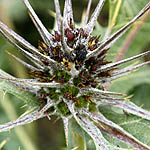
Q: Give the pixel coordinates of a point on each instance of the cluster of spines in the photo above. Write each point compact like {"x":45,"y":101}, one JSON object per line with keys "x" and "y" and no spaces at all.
{"x":85,"y":78}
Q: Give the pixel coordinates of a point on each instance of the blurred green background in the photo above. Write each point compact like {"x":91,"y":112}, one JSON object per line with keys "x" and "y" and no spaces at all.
{"x":49,"y":135}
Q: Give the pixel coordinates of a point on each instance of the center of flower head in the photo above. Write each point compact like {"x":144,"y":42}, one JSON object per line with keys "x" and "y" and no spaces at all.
{"x":76,"y":72}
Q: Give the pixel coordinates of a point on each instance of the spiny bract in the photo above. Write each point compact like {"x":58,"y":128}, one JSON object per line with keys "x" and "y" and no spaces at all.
{"x":70,"y":72}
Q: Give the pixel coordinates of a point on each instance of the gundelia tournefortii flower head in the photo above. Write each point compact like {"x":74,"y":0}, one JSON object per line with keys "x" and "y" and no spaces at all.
{"x":69,"y":73}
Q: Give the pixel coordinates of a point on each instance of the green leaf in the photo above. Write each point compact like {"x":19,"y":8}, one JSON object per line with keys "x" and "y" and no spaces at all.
{"x":76,"y":136}
{"x":127,"y":12}
{"x":27,"y":97}
{"x":141,"y":95}
{"x":136,"y":126}
{"x":125,"y":83}
{"x":130,"y":8}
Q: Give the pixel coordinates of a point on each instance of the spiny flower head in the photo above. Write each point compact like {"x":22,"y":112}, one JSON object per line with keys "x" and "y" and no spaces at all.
{"x":69,"y":73}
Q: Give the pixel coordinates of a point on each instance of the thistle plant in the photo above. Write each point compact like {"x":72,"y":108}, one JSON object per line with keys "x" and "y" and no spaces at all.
{"x":69,"y":72}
